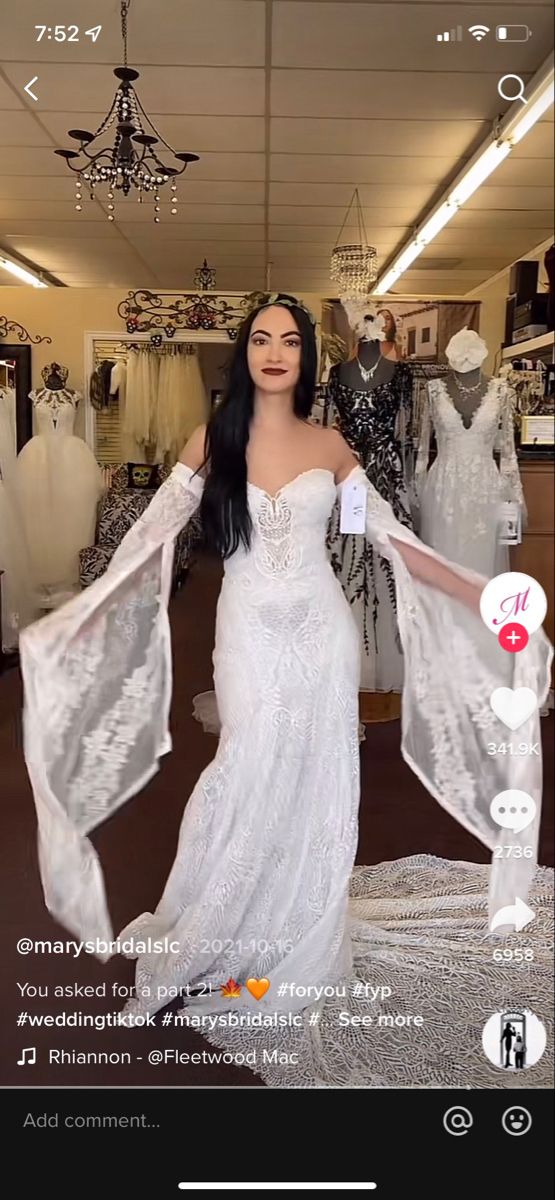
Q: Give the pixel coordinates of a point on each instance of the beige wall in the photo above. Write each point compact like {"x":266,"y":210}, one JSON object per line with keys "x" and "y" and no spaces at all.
{"x":66,"y":315}
{"x":492,"y":296}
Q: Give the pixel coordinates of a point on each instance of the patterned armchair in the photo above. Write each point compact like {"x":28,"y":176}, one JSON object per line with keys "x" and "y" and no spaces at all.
{"x":118,"y":510}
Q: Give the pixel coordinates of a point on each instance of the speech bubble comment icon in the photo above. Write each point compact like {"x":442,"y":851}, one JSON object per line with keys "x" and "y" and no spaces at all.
{"x":513,"y":809}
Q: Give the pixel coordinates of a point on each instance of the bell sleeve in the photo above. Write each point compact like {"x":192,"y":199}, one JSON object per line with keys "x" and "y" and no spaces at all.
{"x":97,"y":677}
{"x":452,"y":666}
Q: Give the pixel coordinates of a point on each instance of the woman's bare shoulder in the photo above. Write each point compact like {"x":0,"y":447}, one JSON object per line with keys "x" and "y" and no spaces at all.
{"x":335,"y":450}
{"x":193,"y":453}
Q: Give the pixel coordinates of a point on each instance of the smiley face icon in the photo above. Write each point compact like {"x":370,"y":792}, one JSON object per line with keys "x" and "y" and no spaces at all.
{"x":516,"y":1120}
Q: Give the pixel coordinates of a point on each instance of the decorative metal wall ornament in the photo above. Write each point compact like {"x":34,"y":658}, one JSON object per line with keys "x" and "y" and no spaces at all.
{"x":132,"y":161}
{"x":7,"y":326}
{"x":204,"y":278}
{"x":354,"y":266}
{"x":168,"y":312}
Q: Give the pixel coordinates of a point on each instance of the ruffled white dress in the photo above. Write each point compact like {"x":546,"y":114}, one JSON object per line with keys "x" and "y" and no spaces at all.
{"x":263,"y":882}
{"x":58,"y":484}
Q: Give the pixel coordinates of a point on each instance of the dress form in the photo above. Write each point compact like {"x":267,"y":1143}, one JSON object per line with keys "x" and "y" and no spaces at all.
{"x":370,"y":395}
{"x":475,"y":470}
{"x":467,"y":390}
{"x":58,"y":484}
{"x":368,"y":356}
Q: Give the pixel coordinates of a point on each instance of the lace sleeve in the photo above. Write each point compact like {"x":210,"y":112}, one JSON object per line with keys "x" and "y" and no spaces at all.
{"x":508,"y":463}
{"x":97,"y":677}
{"x":453,"y":664}
{"x":169,"y":511}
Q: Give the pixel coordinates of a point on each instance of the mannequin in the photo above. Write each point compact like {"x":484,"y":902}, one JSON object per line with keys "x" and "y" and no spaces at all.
{"x":459,"y":499}
{"x":370,"y":395}
{"x":58,"y":484}
{"x":15,"y":585}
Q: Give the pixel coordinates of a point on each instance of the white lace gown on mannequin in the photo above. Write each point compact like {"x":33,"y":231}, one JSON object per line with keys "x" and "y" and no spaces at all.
{"x":15,"y":582}
{"x":460,"y":495}
{"x":261,"y":881}
{"x":58,"y":484}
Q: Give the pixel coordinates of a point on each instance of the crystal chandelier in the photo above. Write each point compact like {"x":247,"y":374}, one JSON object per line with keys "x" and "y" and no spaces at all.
{"x":354,"y":266}
{"x":204,"y":278}
{"x":132,"y":161}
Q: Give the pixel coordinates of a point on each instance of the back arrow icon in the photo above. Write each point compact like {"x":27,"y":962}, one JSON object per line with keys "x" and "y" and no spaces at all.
{"x":28,"y":87}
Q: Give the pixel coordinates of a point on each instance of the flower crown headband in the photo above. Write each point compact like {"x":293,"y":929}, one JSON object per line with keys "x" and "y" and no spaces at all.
{"x":267,"y":299}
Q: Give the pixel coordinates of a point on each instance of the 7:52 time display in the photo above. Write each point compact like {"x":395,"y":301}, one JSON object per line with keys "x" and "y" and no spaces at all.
{"x":65,"y":33}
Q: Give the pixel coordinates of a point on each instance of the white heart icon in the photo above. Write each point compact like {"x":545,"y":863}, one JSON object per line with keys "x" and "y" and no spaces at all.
{"x":514,"y":706}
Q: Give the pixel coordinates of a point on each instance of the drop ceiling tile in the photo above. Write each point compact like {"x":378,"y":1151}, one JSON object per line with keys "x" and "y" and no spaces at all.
{"x":329,"y":195}
{"x":20,"y":129}
{"x":314,"y":232}
{"x":140,"y":233}
{"x":353,"y":170}
{"x":296,"y":215}
{"x":527,"y":199}
{"x":422,"y":138}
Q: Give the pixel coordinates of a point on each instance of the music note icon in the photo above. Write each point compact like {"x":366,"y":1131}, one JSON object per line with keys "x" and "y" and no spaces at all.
{"x":23,"y":1061}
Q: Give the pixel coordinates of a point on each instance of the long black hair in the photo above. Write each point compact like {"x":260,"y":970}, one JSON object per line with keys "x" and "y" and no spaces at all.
{"x":224,"y":510}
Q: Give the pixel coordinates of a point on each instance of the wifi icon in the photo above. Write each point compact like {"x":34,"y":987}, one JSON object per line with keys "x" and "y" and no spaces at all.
{"x":478,"y":31}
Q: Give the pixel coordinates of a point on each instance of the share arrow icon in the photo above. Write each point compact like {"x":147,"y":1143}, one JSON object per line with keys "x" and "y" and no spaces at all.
{"x":517,"y":914}
{"x":28,"y":87}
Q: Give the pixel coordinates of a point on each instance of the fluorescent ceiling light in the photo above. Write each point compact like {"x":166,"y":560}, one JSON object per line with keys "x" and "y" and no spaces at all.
{"x":21,"y":273}
{"x":485,"y":161}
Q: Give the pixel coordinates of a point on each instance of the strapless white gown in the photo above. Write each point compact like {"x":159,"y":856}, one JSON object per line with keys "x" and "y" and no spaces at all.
{"x":263,"y":884}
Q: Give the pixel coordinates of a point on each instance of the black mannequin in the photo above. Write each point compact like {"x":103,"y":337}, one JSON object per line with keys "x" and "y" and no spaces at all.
{"x":467,"y":390}
{"x":371,"y":359}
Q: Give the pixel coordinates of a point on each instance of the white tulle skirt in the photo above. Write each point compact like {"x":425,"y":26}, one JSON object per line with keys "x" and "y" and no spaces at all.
{"x":58,"y":484}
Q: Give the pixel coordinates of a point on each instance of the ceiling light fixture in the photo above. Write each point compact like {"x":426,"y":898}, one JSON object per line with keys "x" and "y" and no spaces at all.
{"x":133,"y":160}
{"x":354,"y":266}
{"x":22,"y":273}
{"x":511,"y":131}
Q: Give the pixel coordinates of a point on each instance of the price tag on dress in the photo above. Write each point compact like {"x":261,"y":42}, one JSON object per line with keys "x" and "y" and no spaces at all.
{"x":353,"y":508}
{"x":510,"y":524}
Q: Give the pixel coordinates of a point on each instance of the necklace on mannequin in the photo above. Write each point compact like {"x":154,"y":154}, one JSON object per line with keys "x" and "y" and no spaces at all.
{"x":467,"y":391}
{"x":368,"y":372}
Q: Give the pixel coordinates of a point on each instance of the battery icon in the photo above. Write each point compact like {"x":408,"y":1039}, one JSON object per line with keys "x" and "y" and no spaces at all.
{"x":513,"y":33}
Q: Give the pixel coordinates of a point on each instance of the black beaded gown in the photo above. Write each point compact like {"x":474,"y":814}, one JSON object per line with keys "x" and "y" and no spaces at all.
{"x":369,"y":421}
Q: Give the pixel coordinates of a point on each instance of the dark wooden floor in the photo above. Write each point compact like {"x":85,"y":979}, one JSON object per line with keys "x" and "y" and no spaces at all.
{"x":137,"y":848}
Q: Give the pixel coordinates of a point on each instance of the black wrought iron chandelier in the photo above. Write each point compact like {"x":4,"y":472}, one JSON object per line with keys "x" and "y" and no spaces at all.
{"x":133,"y":160}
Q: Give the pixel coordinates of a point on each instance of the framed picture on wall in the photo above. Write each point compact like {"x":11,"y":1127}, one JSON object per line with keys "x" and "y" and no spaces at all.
{"x":216,"y":395}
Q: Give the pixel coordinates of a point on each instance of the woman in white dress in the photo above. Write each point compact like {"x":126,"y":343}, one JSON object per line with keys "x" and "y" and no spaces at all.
{"x":259,"y":891}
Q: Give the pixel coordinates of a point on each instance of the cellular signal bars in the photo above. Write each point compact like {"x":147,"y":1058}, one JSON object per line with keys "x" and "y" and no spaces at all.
{"x":453,"y":35}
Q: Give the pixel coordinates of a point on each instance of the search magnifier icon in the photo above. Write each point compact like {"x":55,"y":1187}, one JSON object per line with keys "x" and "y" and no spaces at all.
{"x":506,"y":88}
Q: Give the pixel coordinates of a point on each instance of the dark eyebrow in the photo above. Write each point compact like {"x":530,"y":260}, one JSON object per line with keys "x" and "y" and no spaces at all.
{"x":292,"y":333}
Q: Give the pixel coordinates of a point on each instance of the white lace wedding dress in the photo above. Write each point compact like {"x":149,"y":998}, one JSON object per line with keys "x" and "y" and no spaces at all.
{"x":260,"y":885}
{"x":460,"y":496}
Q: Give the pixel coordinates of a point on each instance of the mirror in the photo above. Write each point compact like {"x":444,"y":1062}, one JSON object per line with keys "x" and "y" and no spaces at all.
{"x":15,"y":377}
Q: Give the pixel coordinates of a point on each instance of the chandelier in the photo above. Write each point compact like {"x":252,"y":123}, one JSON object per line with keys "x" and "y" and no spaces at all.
{"x":354,"y":266}
{"x":133,"y":160}
{"x":204,"y":278}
